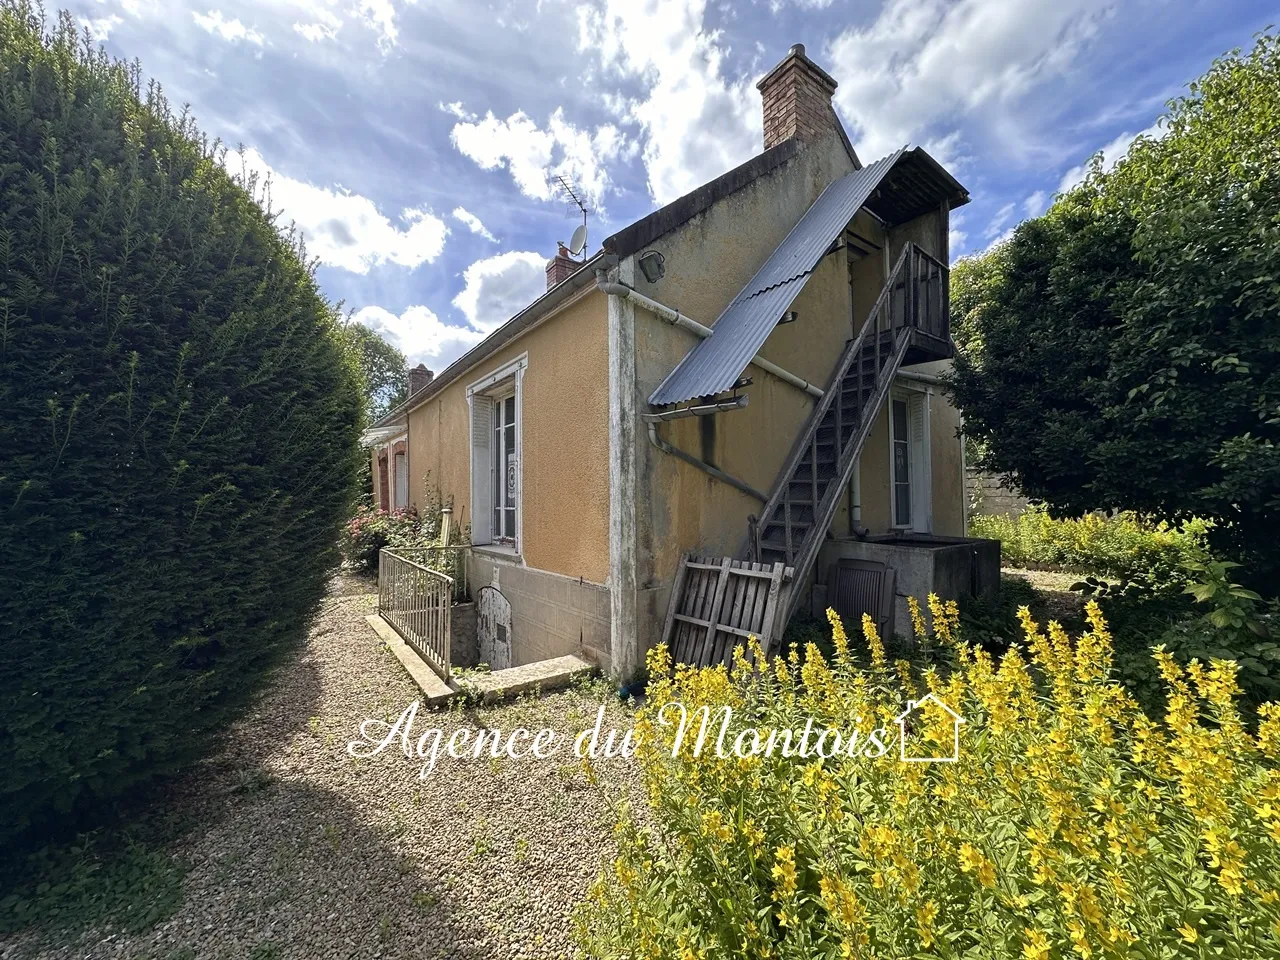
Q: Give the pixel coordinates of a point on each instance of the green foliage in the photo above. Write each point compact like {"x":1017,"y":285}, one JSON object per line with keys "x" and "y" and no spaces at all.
{"x":1122,"y":545}
{"x":1123,"y":351}
{"x":386,"y":378}
{"x":180,"y":433}
{"x":1067,"y":824}
{"x":371,"y":529}
{"x":131,"y":885}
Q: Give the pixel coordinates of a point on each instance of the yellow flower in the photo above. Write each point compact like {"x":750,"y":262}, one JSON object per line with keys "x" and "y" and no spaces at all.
{"x":1036,"y":946}
{"x":1188,"y":933}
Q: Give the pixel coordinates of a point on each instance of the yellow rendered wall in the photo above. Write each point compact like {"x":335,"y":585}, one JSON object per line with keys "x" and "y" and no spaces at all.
{"x":708,"y":261}
{"x":565,"y":441}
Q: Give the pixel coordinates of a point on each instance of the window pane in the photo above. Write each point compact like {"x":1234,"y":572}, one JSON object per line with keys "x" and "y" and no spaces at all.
{"x":901,"y":504}
{"x":900,"y":420}
{"x":901,"y":463}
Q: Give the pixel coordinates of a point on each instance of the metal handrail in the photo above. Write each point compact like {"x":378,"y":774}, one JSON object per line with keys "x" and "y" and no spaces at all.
{"x":454,"y":563}
{"x":417,"y":602}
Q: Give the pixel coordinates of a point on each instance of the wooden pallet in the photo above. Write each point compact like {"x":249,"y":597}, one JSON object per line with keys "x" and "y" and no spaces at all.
{"x":717,"y":602}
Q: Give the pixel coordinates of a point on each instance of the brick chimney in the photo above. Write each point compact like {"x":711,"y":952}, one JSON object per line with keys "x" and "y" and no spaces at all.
{"x":559,"y":268}
{"x":419,"y":377}
{"x":797,"y":99}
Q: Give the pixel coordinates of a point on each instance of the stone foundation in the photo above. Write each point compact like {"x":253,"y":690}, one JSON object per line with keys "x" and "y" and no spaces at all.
{"x":551,"y":616}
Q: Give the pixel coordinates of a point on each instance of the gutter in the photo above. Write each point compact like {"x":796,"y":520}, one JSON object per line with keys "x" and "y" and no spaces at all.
{"x":504,"y":334}
{"x":678,"y":319}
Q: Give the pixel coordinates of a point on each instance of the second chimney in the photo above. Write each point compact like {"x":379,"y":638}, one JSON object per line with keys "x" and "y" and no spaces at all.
{"x":797,"y":99}
{"x":419,"y":377}
{"x":560,"y":267}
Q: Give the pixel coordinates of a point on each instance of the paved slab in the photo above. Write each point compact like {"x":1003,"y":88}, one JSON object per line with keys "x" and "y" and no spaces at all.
{"x":435,"y":691}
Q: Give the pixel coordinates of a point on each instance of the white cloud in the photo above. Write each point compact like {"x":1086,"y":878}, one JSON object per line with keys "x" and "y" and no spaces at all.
{"x":420,"y":335}
{"x":534,"y":155}
{"x":101,"y":27}
{"x":325,"y":27}
{"x":1036,"y":204}
{"x":345,"y":229}
{"x":697,"y":123}
{"x":456,"y":109}
{"x":927,"y":65}
{"x":1112,"y":154}
{"x":380,"y":16}
{"x":999,"y":221}
{"x":233,"y":31}
{"x":498,"y":287}
{"x":472,"y":223}
{"x":955,"y":236}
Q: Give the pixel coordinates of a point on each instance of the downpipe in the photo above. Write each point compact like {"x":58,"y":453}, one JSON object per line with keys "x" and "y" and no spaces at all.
{"x":702,"y":465}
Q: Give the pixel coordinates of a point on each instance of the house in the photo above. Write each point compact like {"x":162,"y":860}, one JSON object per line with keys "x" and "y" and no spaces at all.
{"x":914,"y":716}
{"x":750,"y":371}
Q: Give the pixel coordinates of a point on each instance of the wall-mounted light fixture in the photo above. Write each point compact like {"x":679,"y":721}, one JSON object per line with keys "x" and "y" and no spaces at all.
{"x":652,"y":265}
{"x":789,"y":317}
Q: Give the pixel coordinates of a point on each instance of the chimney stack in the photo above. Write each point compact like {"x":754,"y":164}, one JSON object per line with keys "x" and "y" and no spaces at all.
{"x":419,"y":377}
{"x":561,"y":267}
{"x":797,"y":100}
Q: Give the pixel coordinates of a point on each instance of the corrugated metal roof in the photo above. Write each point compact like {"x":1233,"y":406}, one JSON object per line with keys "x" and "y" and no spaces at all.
{"x":714,"y":364}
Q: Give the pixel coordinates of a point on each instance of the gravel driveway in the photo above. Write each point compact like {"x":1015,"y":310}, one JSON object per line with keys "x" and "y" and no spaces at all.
{"x":301,"y":851}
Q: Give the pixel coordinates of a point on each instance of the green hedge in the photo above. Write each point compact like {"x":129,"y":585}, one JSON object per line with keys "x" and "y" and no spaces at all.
{"x":179,"y":439}
{"x":1122,"y":545}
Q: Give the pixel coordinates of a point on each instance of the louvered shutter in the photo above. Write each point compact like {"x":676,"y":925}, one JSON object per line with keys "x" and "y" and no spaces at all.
{"x":921,"y":469}
{"x":481,"y":470}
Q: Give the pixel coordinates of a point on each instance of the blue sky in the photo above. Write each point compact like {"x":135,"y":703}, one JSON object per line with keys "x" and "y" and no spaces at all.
{"x":413,"y":142}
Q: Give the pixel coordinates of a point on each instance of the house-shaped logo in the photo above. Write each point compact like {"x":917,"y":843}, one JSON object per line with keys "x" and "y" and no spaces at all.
{"x":915,"y":709}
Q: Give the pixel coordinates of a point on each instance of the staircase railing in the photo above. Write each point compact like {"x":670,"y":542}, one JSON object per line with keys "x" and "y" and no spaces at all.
{"x":912,"y":298}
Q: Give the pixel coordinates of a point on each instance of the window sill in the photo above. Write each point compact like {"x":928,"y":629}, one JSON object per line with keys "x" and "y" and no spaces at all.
{"x":498,"y":550}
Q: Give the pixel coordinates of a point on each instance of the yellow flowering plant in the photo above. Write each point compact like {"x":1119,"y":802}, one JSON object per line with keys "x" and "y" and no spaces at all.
{"x":1069,"y":825}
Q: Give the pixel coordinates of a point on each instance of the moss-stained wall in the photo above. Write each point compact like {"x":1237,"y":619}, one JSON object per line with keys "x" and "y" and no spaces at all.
{"x":565,"y":432}
{"x":708,"y":261}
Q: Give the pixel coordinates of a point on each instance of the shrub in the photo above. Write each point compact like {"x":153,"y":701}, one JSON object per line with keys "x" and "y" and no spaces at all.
{"x":372,"y":529}
{"x":1123,"y":350}
{"x":179,"y":439}
{"x":1070,"y":824}
{"x":1123,"y":545}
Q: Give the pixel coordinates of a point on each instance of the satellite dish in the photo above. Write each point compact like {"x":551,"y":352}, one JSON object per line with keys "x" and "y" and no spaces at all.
{"x":578,"y":240}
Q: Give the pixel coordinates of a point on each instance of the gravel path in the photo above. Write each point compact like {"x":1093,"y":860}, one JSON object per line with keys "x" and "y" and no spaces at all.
{"x":303,"y":852}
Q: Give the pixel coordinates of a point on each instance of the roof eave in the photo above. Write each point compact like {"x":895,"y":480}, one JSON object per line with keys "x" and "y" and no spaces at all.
{"x":503,"y":335}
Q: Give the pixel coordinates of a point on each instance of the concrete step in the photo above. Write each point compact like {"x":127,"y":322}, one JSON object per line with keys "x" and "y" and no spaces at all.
{"x":542,"y":676}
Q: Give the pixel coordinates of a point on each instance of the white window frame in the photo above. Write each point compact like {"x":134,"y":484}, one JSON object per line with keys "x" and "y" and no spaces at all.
{"x":503,"y":382}
{"x":919,"y":466}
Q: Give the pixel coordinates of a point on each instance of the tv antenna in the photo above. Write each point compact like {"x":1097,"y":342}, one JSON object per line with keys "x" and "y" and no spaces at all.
{"x":578,"y":242}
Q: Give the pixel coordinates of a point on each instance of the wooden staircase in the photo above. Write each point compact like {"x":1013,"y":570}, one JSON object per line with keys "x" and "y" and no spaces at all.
{"x":909,"y":317}
{"x":908,"y":324}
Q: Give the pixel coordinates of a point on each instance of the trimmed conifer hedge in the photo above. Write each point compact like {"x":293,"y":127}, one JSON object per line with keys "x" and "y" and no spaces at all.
{"x":178,"y":431}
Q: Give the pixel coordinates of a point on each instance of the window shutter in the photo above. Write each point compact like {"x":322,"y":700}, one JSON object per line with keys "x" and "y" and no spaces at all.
{"x":921,"y":470}
{"x":481,"y":470}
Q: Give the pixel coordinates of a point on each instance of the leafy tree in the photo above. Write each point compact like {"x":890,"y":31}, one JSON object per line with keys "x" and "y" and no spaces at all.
{"x":383,"y":366}
{"x":179,"y":439}
{"x":1123,"y":351}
